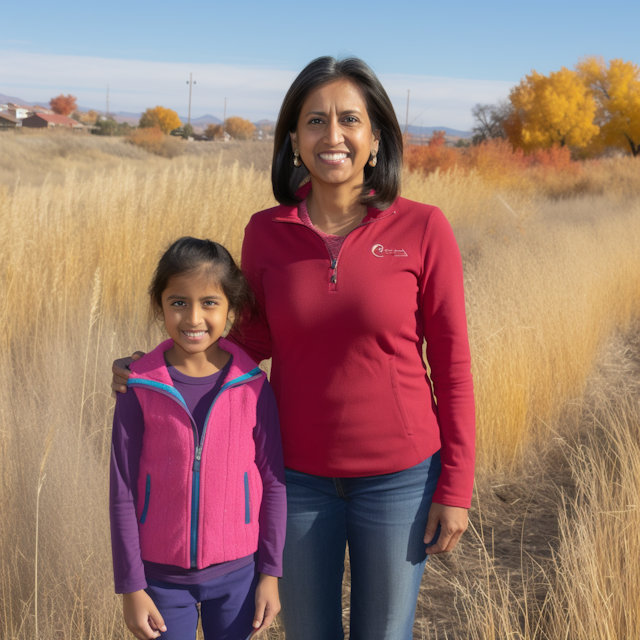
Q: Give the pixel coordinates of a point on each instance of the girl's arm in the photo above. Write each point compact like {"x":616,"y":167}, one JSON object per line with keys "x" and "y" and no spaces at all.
{"x":126,"y":446}
{"x":273,"y":509}
{"x":269,"y":460}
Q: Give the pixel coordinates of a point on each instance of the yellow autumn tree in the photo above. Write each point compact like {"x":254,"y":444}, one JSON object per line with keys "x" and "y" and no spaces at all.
{"x":165,"y":119}
{"x":616,"y":89}
{"x":557,"y":109}
{"x":239,"y":128}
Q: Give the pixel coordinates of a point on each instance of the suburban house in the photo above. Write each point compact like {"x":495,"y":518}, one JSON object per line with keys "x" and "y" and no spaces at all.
{"x":51,"y":120}
{"x":7,"y":121}
{"x":18,"y":111}
{"x":38,"y":109}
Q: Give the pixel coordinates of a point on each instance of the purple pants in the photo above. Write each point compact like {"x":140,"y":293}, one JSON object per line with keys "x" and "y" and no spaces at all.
{"x":227,"y":605}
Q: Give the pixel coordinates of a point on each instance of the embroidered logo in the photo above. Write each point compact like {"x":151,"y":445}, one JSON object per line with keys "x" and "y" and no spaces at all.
{"x":380,"y":252}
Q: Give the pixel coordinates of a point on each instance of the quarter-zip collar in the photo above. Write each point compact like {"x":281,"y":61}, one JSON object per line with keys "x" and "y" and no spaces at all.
{"x":289,"y":213}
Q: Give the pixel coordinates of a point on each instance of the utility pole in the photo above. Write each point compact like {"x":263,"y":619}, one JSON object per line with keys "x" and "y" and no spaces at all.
{"x":107,"y":102}
{"x":224,"y":117}
{"x":190,"y":82}
{"x":406,"y":121}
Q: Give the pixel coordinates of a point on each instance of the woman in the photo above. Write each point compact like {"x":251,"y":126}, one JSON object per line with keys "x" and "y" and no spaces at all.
{"x":351,"y":279}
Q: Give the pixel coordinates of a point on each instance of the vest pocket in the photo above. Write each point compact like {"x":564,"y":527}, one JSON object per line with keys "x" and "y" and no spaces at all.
{"x":147,"y":493}
{"x":247,"y":509}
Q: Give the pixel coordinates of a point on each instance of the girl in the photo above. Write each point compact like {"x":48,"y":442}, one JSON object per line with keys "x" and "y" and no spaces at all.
{"x":198,"y":504}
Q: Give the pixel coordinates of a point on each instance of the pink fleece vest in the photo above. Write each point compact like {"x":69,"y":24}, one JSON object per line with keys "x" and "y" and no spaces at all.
{"x":197,"y":513}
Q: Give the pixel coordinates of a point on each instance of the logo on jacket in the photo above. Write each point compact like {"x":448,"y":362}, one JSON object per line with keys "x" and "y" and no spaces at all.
{"x":380,"y":252}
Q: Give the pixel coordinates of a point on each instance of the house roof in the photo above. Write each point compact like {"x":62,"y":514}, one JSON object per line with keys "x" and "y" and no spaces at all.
{"x":55,"y":118}
{"x":7,"y":116}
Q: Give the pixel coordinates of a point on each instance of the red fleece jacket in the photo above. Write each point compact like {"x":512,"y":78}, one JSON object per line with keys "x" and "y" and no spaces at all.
{"x":346,"y":340}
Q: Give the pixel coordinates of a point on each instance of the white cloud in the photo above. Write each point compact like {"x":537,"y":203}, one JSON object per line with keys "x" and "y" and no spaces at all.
{"x":252,"y":91}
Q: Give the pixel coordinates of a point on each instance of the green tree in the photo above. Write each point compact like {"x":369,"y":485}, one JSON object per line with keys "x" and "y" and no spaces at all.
{"x":110,"y":127}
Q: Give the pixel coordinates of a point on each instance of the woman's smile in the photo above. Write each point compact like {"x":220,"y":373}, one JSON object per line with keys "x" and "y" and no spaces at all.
{"x":333,"y":157}
{"x":334,"y":136}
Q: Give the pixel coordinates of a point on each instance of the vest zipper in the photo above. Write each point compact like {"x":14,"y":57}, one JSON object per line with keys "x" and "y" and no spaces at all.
{"x":174,"y":394}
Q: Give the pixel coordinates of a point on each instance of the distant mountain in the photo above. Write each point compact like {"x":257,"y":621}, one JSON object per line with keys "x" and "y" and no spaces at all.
{"x":5,"y":98}
{"x":130,"y":117}
{"x":202,"y":121}
{"x":264,"y":124}
{"x":427,"y":131}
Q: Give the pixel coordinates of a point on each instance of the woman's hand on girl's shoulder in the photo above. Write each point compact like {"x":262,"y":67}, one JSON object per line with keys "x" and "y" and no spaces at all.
{"x":142,"y":616}
{"x":267,"y":603}
{"x":121,"y":373}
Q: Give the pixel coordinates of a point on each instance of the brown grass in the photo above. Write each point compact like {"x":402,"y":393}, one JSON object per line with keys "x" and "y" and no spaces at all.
{"x":548,"y":282}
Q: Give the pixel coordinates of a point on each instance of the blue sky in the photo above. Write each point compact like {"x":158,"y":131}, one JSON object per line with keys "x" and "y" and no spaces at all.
{"x":450,"y":54}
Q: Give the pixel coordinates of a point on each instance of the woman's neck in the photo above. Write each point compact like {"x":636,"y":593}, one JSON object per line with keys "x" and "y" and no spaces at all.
{"x":335,"y":209}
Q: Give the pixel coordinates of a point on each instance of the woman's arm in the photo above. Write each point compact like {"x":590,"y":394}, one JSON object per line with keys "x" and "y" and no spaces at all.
{"x":444,"y":320}
{"x":121,"y":373}
{"x":443,"y":314}
{"x":253,"y":335}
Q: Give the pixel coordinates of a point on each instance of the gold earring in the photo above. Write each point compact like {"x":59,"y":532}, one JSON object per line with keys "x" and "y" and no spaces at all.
{"x":296,"y":158}
{"x":374,"y":161}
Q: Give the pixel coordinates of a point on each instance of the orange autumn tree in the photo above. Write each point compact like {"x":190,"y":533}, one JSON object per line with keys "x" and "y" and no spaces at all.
{"x":213,"y":131}
{"x":63,"y":105}
{"x":616,"y":90}
{"x":239,"y":128}
{"x":164,"y":119}
{"x":557,"y":109}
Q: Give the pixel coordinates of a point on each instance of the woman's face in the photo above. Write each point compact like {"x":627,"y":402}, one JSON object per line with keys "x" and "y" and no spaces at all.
{"x":334,"y":135}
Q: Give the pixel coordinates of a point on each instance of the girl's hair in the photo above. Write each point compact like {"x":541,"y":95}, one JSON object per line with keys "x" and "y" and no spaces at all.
{"x":190,"y":255}
{"x":384,"y":179}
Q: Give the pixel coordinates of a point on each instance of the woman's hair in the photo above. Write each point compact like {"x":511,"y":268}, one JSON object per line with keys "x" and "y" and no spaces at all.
{"x":190,"y":256}
{"x":384,"y":179}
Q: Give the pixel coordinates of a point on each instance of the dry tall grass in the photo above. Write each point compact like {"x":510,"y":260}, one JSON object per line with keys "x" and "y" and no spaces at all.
{"x":592,"y":584}
{"x":547,"y":283}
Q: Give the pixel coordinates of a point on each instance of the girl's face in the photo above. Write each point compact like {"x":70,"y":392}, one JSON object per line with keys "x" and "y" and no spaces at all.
{"x":195,"y":311}
{"x":334,"y":135}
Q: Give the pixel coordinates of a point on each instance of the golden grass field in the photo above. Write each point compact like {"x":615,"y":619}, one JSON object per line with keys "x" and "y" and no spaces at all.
{"x":553,"y":300}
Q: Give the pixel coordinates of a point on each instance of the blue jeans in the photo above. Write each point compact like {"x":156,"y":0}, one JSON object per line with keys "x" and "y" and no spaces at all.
{"x":383,"y":520}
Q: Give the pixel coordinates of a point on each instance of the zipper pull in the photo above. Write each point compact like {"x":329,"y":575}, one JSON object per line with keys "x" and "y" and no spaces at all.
{"x":196,"y":462}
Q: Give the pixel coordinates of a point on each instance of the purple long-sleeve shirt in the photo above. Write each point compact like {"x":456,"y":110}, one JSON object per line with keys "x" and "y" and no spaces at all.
{"x":129,"y":570}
